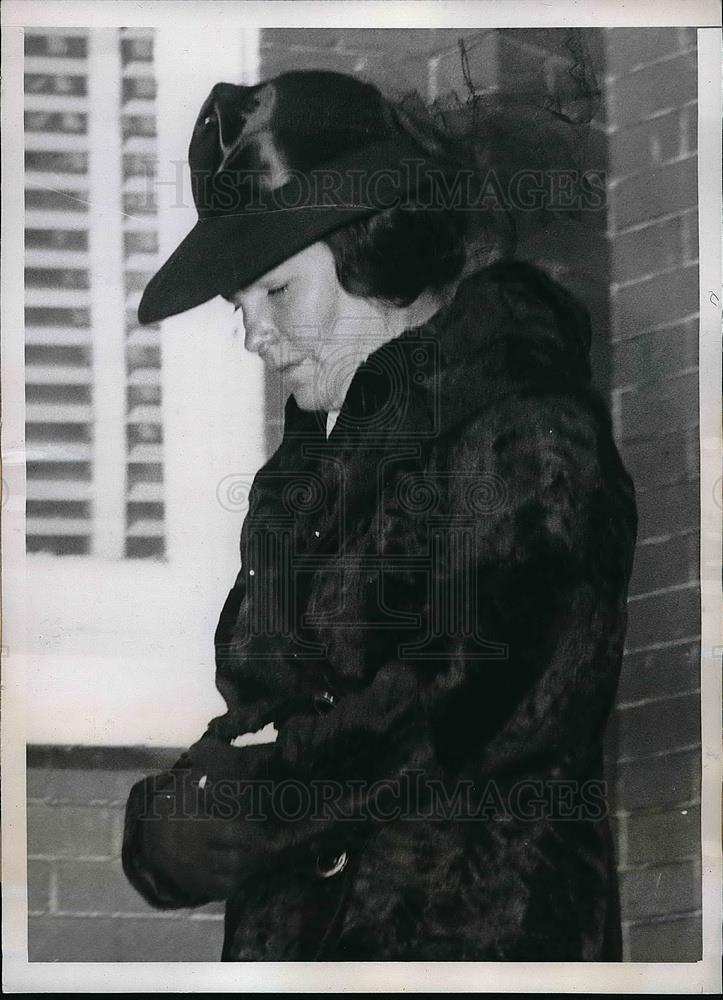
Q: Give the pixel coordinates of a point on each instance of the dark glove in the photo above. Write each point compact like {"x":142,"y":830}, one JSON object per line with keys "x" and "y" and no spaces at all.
{"x":187,"y":838}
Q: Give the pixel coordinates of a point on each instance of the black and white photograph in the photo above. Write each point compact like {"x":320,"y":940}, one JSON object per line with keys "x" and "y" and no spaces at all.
{"x":361,"y":496}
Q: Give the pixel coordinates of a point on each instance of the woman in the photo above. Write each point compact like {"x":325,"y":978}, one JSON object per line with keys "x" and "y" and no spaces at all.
{"x":431,"y":604}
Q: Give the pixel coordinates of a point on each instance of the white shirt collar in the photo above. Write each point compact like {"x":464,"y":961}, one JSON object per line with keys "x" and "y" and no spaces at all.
{"x":331,"y":420}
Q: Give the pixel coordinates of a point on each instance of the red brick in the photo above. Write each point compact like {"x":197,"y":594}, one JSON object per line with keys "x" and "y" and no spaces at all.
{"x":665,"y":617}
{"x":666,"y":941}
{"x":307,"y":38}
{"x":657,"y":781}
{"x":652,"y":193}
{"x":554,"y":41}
{"x":668,"y":509}
{"x":132,"y":939}
{"x":188,"y":940}
{"x":656,"y":354}
{"x":647,"y":144}
{"x":660,"y":889}
{"x":660,"y":461}
{"x":656,"y":407}
{"x":665,"y":564}
{"x":39,"y":875}
{"x":659,"y":672}
{"x":394,"y":77}
{"x":687,"y":37}
{"x":690,"y":237}
{"x":641,"y":252}
{"x":627,"y":48}
{"x":657,"y":301}
{"x":80,"y":786}
{"x":398,"y":41}
{"x":659,"y":725}
{"x":69,"y":831}
{"x":690,"y":115}
{"x":97,"y":887}
{"x":667,"y":836}
{"x":641,"y":94}
{"x":280,"y":60}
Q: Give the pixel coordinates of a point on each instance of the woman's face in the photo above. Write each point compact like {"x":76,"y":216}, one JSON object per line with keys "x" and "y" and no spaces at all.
{"x":304,"y":326}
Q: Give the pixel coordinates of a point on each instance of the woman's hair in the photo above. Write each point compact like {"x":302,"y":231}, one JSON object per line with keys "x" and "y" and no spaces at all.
{"x":396,"y":255}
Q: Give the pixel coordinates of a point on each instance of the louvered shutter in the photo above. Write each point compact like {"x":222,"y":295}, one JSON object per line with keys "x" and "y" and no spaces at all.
{"x":59,"y":391}
{"x":93,"y":434}
{"x":144,"y":508}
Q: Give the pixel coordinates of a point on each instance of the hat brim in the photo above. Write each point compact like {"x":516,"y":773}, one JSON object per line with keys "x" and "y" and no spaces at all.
{"x":223,"y":254}
{"x":226,"y":252}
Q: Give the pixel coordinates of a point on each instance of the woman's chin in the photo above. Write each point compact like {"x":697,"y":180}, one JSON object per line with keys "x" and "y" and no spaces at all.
{"x":307,"y":396}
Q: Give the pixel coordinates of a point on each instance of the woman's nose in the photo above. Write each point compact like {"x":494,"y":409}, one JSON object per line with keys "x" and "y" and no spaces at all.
{"x":254,"y":328}
{"x":256,"y":335}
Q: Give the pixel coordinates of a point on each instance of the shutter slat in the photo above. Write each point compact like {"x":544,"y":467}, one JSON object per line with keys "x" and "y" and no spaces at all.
{"x":58,"y":526}
{"x":145,"y":222}
{"x":144,"y":376}
{"x":138,"y":182}
{"x":58,"y":413}
{"x":53,"y":180}
{"x":62,"y":451}
{"x":36,"y":218}
{"x":43,"y":257}
{"x":57,"y":297}
{"x":137,"y":106}
{"x":56,"y":65}
{"x":141,"y":262}
{"x":58,"y":489}
{"x":136,"y":67}
{"x":143,"y":453}
{"x":145,"y":415}
{"x":145,"y":145}
{"x":145,"y":528}
{"x":146,"y":493}
{"x":60,"y":141}
{"x":55,"y":102}
{"x":143,"y":336}
{"x":57,"y":375}
{"x":62,"y":336}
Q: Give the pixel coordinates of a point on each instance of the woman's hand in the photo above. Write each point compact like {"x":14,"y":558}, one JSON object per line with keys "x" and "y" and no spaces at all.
{"x":188,"y":840}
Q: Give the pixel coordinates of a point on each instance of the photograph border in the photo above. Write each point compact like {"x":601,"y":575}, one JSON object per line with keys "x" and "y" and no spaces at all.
{"x":19,"y":975}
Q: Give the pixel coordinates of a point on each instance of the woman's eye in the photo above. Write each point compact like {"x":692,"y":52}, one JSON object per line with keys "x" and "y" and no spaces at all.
{"x":280,"y":289}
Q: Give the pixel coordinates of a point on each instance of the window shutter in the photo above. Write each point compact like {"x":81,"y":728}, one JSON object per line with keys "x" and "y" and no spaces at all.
{"x":59,"y":389}
{"x":144,"y":506}
{"x":93,"y":391}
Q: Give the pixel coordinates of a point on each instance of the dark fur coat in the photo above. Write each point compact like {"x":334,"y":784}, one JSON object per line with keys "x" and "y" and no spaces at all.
{"x":431,"y":609}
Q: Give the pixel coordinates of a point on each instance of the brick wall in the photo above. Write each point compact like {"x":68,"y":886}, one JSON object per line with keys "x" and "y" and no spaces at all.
{"x":651,"y":126}
{"x":635,"y":267}
{"x":81,"y":906}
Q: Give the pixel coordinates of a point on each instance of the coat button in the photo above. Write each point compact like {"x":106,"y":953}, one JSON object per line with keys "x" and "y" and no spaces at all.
{"x":324,"y":701}
{"x":326,"y":867}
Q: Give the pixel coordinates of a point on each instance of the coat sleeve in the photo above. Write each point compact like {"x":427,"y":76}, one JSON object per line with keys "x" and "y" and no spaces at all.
{"x":542,"y":516}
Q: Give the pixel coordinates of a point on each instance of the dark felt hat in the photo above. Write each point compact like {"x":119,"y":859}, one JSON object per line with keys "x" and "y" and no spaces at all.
{"x":276,"y":166}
